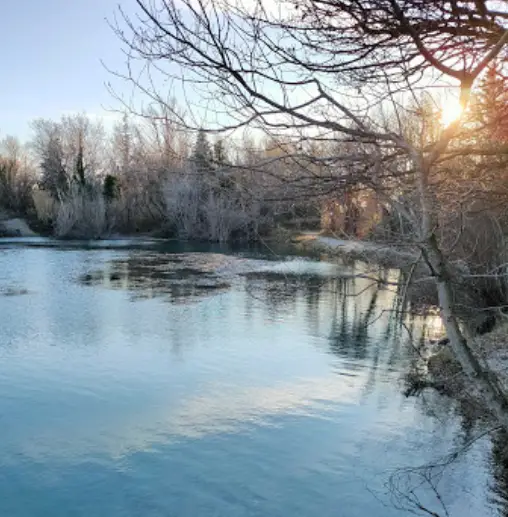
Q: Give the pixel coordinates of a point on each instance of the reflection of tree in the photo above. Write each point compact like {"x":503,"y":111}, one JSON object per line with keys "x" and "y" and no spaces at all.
{"x":172,"y":276}
{"x":362,"y":315}
{"x":281,"y":292}
{"x":422,"y":489}
{"x":363,"y":325}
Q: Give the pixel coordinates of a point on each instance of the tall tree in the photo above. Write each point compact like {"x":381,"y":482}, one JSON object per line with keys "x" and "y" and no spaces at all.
{"x":122,"y":144}
{"x":17,"y":176}
{"x":55,"y":178}
{"x":219,"y":152}
{"x":80,"y":164}
{"x":202,"y":157}
{"x":72,"y":149}
{"x":490,"y":106}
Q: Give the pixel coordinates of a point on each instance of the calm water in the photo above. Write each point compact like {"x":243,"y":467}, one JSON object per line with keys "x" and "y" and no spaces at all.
{"x":141,"y":383}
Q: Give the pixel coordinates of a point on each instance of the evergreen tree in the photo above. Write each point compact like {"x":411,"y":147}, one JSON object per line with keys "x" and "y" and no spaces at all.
{"x":219,"y":152}
{"x":80,"y":165}
{"x":111,"y":188}
{"x":490,"y":108}
{"x":201,"y":157}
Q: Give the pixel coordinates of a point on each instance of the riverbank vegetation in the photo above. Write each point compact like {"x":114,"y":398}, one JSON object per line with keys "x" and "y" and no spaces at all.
{"x":74,"y":179}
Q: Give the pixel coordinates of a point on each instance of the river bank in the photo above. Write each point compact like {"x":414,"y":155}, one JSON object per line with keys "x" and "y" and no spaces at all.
{"x":435,"y":366}
{"x":383,"y":254}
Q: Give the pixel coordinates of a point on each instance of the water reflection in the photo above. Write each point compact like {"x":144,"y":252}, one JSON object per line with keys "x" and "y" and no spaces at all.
{"x":279,"y":389}
{"x":13,"y":291}
{"x":359,"y":308}
{"x":175,"y":277}
{"x":223,"y":409}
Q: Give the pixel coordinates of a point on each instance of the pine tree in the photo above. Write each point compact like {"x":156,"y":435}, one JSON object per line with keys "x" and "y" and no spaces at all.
{"x":219,"y":152}
{"x":491,"y":106}
{"x":201,"y":157}
{"x":80,"y":164}
{"x":111,"y":188}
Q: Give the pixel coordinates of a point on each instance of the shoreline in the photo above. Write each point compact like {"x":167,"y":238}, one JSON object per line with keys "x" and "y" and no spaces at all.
{"x":440,"y":370}
{"x":383,"y":254}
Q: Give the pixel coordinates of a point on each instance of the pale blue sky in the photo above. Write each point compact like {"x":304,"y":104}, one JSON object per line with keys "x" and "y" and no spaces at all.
{"x":51,"y":52}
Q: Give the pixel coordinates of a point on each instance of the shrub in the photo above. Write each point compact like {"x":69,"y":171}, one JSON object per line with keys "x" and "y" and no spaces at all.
{"x":82,"y":214}
{"x":199,"y":208}
{"x":111,"y":188}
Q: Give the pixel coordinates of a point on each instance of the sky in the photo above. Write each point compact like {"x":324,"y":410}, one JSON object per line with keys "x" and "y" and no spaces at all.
{"x":51,"y":54}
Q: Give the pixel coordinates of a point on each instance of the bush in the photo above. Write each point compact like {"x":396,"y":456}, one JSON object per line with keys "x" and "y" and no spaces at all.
{"x":198,"y":208}
{"x":82,"y":214}
{"x":111,"y":187}
{"x":45,"y":206}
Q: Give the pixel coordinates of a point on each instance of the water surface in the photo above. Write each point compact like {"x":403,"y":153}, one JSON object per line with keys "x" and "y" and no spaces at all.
{"x":140,"y":381}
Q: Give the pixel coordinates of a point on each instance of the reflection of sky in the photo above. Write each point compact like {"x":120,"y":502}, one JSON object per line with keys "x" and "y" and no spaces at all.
{"x":260,"y":386}
{"x":92,"y":429}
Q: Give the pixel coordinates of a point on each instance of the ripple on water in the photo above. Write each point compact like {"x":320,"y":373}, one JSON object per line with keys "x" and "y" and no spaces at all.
{"x":276,"y":393}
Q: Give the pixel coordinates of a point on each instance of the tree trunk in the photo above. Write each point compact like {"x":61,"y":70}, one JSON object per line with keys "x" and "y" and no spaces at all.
{"x":484,"y":380}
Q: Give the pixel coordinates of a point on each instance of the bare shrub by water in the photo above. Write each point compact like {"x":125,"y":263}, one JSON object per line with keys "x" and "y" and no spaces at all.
{"x":198,"y":208}
{"x":82,"y":214}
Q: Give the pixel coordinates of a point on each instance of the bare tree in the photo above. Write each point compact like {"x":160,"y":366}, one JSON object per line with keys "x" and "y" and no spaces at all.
{"x":327,"y":70}
{"x":72,"y":149}
{"x":17,"y":176}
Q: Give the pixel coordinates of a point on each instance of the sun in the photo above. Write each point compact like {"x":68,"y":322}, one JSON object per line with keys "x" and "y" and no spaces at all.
{"x":450,"y":112}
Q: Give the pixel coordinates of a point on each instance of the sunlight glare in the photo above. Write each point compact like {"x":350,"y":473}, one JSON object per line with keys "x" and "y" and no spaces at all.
{"x":450,"y":112}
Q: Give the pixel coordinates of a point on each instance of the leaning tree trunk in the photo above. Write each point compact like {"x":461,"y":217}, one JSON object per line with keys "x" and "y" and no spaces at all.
{"x":485,"y":381}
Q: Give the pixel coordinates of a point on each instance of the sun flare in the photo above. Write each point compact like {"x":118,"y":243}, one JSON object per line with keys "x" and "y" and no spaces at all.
{"x":450,"y":112}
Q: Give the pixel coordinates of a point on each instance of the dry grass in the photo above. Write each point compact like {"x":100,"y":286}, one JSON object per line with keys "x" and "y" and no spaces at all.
{"x":45,"y":206}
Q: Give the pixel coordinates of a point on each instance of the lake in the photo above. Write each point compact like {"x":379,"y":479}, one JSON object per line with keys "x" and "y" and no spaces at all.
{"x":141,"y":379}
